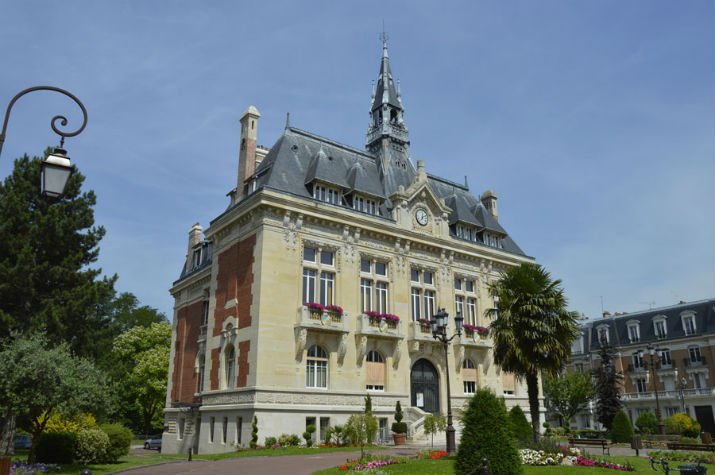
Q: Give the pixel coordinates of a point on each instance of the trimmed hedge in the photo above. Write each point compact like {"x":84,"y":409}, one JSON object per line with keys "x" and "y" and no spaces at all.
{"x":120,"y":441}
{"x":621,"y":431}
{"x":92,"y":446}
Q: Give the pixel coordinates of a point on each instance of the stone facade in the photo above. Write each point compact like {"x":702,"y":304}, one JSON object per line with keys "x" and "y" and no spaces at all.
{"x":307,"y":292}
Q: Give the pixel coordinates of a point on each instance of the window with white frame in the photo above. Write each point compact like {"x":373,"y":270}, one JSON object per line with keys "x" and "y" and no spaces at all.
{"x":634,"y":332}
{"x":201,"y":372}
{"x":637,"y":360}
{"x":697,"y":380}
{"x":492,"y":240}
{"x":466,"y":232}
{"x":365,"y":205}
{"x":577,"y":345}
{"x":469,"y":376}
{"x":688,"y":319}
{"x":671,"y":410}
{"x":375,"y":371}
{"x":327,"y":194}
{"x":318,"y":275}
{"x":374,"y":285}
{"x":422,"y":294}
{"x":316,"y":375}
{"x":641,"y":385}
{"x":665,"y":358}
{"x":230,"y":367}
{"x":694,"y":354}
{"x":603,"y":334}
{"x":465,"y":299}
{"x":660,"y":328}
{"x":205,"y":313}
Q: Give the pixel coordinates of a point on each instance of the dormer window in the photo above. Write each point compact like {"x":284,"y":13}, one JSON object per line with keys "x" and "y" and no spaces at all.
{"x":468,"y":233}
{"x":603,"y":334}
{"x":327,"y":194}
{"x":688,"y":319}
{"x":634,"y":332}
{"x":492,"y":240}
{"x":196,"y":257}
{"x":365,"y":205}
{"x":659,"y":327}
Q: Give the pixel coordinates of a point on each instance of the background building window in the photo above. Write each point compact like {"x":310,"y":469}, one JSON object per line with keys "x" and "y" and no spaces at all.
{"x":375,"y":380}
{"x":694,"y":354}
{"x":423,"y":296}
{"x":469,"y":376}
{"x":634,"y":334}
{"x":464,"y":293}
{"x":641,"y":385}
{"x":230,"y":367}
{"x":374,"y":286}
{"x":317,"y":368}
{"x":660,"y":328}
{"x":689,"y":324}
{"x":318,"y":263}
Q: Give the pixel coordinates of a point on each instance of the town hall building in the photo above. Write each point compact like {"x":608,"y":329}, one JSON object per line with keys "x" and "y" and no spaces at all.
{"x":316,"y":285}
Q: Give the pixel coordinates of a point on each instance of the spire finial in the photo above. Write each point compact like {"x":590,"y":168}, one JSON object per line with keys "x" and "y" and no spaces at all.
{"x":383,"y":36}
{"x":287,"y":120}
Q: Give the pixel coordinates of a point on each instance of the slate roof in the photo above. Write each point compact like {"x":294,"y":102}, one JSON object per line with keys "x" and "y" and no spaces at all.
{"x":618,"y":325}
{"x":299,"y":158}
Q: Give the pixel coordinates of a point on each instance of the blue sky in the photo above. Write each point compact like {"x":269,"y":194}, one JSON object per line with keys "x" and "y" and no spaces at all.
{"x":593,"y":121}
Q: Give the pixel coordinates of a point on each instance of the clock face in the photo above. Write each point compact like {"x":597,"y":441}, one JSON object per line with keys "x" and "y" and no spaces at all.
{"x":421,"y":217}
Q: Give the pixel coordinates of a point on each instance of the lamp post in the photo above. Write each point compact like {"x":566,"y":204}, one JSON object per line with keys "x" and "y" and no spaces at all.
{"x":653,"y":361}
{"x":438,"y":323}
{"x":56,"y":168}
{"x":681,"y":384}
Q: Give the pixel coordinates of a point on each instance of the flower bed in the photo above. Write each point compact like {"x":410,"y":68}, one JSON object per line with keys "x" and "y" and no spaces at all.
{"x":22,"y":468}
{"x":567,"y":457}
{"x":366,"y":464}
{"x":580,"y":460}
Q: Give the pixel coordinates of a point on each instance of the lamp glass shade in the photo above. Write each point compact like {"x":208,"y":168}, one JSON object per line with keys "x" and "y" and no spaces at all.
{"x":56,"y":170}
{"x":442,"y":318}
{"x":433,"y":323}
{"x":459,"y":322}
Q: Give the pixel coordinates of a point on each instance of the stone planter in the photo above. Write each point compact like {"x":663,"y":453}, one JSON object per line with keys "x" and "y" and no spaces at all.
{"x":399,"y":438}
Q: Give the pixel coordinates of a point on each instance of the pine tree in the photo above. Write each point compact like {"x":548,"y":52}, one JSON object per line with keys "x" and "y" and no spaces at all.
{"x":46,"y":250}
{"x":520,"y":427}
{"x":608,"y":396}
{"x":621,"y":431}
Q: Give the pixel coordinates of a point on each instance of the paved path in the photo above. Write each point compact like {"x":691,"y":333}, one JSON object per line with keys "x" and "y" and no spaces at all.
{"x":289,"y":464}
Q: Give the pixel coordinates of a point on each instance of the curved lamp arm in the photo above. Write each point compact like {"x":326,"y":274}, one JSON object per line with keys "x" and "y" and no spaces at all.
{"x":62,"y":120}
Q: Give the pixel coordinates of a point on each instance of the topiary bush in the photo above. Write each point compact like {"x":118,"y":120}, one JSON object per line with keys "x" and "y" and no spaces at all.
{"x":55,"y":447}
{"x":520,"y":427}
{"x":399,"y":427}
{"x":486,"y":433}
{"x":92,"y":446}
{"x":254,"y":433}
{"x":120,"y":441}
{"x":647,"y":423}
{"x":308,"y":435}
{"x":288,"y":440}
{"x":621,"y":430}
{"x":682,"y":424}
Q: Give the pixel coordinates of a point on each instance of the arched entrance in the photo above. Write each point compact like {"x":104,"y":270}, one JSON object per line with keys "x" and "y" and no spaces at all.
{"x":424,"y":384}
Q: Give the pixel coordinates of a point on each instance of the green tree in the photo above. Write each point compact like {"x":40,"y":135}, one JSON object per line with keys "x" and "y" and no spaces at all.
{"x":142,"y":356}
{"x":682,"y":424}
{"x":647,"y":423}
{"x":433,"y":424}
{"x":520,"y":427}
{"x":39,"y":380}
{"x":371,"y":428}
{"x":608,"y":382}
{"x":125,"y":313}
{"x":46,"y":250}
{"x":621,"y":431}
{"x":486,"y":434}
{"x":568,"y":394}
{"x":358,"y":429}
{"x":532,"y":330}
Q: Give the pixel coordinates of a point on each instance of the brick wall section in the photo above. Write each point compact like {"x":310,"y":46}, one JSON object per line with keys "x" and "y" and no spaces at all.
{"x":215,"y":364}
{"x":234,"y":281}
{"x":243,"y":368}
{"x":188,"y":327}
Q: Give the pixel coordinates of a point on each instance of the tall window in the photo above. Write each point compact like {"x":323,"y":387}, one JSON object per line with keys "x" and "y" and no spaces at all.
{"x":694,"y":354}
{"x":212,"y":426}
{"x":317,"y":368}
{"x":469,"y":377}
{"x":224,"y":430}
{"x":239,"y":429}
{"x":603,"y":337}
{"x":230,"y":366}
{"x":423,"y":294}
{"x":637,"y":361}
{"x":318,"y":276}
{"x":205,"y":313}
{"x":660,"y":328}
{"x":634,"y":334}
{"x":641,"y":385}
{"x":202,"y":372}
{"x":465,"y":299}
{"x":665,"y":359}
{"x":375,"y":371}
{"x":374,"y":286}
{"x":689,"y":324}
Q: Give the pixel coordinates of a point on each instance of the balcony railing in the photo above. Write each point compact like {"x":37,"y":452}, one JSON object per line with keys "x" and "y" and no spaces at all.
{"x":671,"y":394}
{"x":474,"y":339}
{"x":322,"y":320}
{"x":379,"y":327}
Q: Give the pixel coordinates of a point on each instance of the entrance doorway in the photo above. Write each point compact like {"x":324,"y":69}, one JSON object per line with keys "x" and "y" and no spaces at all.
{"x":424,"y":383}
{"x":704,"y":416}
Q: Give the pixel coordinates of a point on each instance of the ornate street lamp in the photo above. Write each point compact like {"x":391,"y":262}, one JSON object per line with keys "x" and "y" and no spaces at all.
{"x":56,"y":169}
{"x":653,"y":360}
{"x":439,"y":332}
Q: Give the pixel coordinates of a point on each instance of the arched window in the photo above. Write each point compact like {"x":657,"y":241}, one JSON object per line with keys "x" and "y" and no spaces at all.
{"x":230,"y":366}
{"x":375,"y":380}
{"x":469,"y":376}
{"x":316,"y":375}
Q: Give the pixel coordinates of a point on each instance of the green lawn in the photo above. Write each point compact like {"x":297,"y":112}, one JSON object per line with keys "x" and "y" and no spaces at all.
{"x":446,"y":467}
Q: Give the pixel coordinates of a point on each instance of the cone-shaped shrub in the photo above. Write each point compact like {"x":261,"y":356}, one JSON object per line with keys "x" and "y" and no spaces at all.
{"x":520,"y":427}
{"x":621,"y":431}
{"x":486,"y":432}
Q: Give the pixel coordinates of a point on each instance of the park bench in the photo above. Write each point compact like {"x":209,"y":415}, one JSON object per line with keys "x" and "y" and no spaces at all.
{"x":694,"y":447}
{"x":603,"y":443}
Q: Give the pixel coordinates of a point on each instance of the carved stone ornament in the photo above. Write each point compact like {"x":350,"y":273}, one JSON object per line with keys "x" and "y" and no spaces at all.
{"x":300,"y":341}
{"x":396,"y":355}
{"x":342,"y":348}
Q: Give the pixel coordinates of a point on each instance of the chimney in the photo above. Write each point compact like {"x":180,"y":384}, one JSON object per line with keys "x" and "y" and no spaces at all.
{"x":489,"y":200}
{"x":247,"y":152}
{"x":421,"y":173}
{"x":194,"y":239}
{"x":606,"y":314}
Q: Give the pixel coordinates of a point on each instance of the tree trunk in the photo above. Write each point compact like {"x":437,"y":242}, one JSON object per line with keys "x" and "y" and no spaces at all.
{"x":7,"y":435}
{"x":532,"y":385}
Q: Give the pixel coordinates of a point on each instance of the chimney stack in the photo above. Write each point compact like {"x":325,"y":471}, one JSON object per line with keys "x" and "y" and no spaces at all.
{"x":489,"y":200}
{"x":247,"y":152}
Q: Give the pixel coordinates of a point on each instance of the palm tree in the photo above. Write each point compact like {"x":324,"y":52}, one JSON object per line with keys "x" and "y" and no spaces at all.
{"x":532,"y":330}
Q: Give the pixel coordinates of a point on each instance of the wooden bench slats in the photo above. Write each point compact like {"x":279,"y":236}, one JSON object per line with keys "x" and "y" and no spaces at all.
{"x":694,"y":447}
{"x":603,"y":443}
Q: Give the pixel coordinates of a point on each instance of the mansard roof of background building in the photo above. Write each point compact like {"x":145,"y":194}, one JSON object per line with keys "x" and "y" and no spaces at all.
{"x":703,"y":311}
{"x":299,"y":158}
